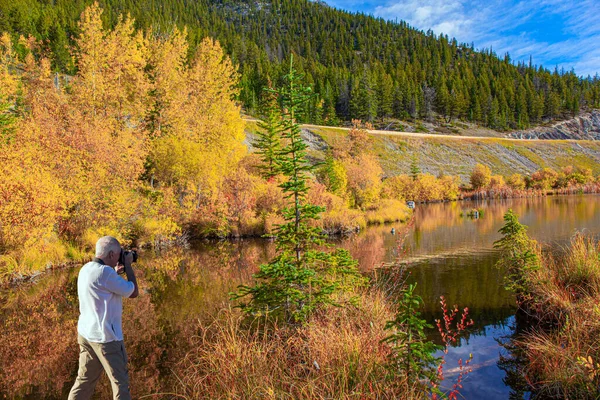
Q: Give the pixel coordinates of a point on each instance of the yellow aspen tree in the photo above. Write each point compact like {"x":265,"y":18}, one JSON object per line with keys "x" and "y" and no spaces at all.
{"x":111,"y":80}
{"x":207,"y":143}
{"x":215,"y":119}
{"x":128,"y":82}
{"x":9,"y":82}
{"x":30,"y":197}
{"x":167,"y":72}
{"x":96,"y":157}
{"x":90,"y":57}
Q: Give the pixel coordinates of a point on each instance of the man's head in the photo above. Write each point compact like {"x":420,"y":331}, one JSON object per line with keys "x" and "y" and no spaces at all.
{"x":108,"y":249}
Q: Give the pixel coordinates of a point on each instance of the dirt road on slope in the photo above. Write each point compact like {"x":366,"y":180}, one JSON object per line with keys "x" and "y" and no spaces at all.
{"x":423,"y":135}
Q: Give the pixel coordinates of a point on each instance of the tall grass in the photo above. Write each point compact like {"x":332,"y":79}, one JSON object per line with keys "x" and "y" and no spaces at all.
{"x":337,"y":355}
{"x":388,"y":210}
{"x":563,"y":352}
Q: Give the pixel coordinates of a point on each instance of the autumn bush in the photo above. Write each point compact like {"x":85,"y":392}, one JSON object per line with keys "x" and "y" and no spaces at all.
{"x":516,"y":182}
{"x":544,"y":179}
{"x":363,"y":180}
{"x":497,"y":181}
{"x":481,"y":176}
{"x":387,"y":211}
{"x":422,"y":188}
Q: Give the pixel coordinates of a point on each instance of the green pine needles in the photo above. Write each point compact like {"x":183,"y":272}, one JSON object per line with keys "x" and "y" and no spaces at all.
{"x":412,"y":354}
{"x":302,"y":277}
{"x":518,"y":256}
{"x":415,"y":171}
{"x":268,"y":141}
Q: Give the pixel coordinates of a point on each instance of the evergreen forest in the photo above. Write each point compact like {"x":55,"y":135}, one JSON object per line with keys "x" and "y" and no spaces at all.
{"x":361,"y":67}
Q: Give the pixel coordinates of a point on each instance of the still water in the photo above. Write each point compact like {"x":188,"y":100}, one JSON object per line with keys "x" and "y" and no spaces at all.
{"x":445,"y":252}
{"x":450,"y":254}
{"x":453,"y":256}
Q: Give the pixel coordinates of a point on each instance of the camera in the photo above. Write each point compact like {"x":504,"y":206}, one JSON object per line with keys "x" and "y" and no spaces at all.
{"x":125,"y":253}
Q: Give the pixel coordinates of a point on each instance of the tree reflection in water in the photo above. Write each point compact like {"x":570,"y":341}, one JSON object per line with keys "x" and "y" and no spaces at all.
{"x":448,"y":255}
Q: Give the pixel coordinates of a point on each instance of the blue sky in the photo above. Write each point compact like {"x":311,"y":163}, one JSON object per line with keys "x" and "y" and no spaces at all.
{"x":564,"y":33}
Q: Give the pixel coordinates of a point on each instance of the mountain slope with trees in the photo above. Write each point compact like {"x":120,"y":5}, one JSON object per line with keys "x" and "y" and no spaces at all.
{"x":360,"y":66}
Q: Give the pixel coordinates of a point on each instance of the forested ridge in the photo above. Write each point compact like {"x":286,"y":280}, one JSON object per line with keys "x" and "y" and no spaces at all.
{"x":359,"y":66}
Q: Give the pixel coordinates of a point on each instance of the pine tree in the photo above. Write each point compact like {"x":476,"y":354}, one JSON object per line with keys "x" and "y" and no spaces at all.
{"x":301,"y":277}
{"x":518,"y":256}
{"x":332,"y":43}
{"x":414,"y":167}
{"x":268,"y":137}
{"x":412,"y":353}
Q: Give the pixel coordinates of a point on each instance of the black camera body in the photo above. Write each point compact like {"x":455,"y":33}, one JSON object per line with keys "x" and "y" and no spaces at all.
{"x":125,"y":253}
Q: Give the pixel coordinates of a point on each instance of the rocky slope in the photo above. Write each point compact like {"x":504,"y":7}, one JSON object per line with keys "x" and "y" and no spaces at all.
{"x":458,"y":155}
{"x":583,"y":127}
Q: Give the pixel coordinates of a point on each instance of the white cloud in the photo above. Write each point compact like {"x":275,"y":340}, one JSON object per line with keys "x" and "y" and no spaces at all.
{"x":511,"y":26}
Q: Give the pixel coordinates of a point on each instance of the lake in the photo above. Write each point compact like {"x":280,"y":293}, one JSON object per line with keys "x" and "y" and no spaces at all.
{"x":445,"y":252}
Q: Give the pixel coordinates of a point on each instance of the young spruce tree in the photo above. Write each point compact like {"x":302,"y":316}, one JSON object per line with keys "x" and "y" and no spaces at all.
{"x":302,"y":277}
{"x":412,"y":354}
{"x":268,"y":141}
{"x":518,"y":257}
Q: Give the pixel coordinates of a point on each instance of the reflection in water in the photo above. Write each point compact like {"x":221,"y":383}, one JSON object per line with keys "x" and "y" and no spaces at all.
{"x":447,"y":254}
{"x":452,"y":255}
{"x":486,"y":380}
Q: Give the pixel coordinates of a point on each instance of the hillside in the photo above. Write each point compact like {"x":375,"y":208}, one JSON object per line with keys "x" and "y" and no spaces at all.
{"x":585,"y":126}
{"x":458,"y":155}
{"x":359,"y":66}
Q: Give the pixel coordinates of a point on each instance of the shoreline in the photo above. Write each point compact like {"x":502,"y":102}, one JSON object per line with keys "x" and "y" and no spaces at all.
{"x":22,"y":279}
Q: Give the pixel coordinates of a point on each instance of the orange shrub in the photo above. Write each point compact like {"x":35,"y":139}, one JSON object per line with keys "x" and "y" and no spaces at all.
{"x":364,"y":180}
{"x":544,"y":178}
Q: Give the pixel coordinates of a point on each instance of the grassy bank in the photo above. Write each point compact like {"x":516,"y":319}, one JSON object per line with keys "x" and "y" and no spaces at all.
{"x":458,"y":156}
{"x":560,"y":295}
{"x":337,"y":355}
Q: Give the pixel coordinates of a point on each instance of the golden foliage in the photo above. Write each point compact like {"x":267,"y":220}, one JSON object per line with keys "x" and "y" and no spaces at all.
{"x":9,"y":83}
{"x":364,"y":179}
{"x":425,"y":187}
{"x":497,"y":181}
{"x":136,"y":109}
{"x":480,"y":176}
{"x":516,"y":182}
{"x":199,"y":136}
{"x":111,"y":78}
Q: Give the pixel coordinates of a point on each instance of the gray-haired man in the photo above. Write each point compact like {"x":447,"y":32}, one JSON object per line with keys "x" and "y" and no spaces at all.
{"x":100,"y":338}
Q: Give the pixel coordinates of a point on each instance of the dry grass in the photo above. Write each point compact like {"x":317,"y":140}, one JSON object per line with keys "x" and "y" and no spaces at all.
{"x":389,"y":210}
{"x":337,"y":355}
{"x":564,"y":362}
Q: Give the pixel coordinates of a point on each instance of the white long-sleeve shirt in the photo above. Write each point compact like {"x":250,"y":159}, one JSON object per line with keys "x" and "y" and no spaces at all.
{"x":100,"y":291}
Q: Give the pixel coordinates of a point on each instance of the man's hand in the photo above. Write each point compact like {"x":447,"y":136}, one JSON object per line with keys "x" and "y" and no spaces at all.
{"x":127,"y":260}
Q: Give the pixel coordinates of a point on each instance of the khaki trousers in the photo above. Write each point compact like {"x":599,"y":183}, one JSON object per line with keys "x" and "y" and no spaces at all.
{"x":95,"y":357}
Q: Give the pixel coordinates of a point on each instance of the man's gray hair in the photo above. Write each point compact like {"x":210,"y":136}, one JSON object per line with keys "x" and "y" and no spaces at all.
{"x":105,"y":244}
